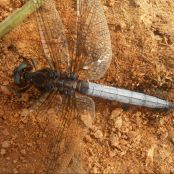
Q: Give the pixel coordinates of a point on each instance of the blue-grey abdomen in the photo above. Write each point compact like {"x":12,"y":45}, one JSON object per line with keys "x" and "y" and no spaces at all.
{"x":126,"y":96}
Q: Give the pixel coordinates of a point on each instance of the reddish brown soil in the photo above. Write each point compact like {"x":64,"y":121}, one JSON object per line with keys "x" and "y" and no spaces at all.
{"x":123,"y":139}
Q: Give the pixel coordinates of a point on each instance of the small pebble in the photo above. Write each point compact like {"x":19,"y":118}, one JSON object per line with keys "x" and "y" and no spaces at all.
{"x":5,"y":3}
{"x":98,"y":134}
{"x":123,"y":153}
{"x":15,"y":161}
{"x":8,"y":158}
{"x":22,"y":159}
{"x":4,"y":117}
{"x":88,"y":138}
{"x":5,"y":144}
{"x":112,"y":153}
{"x":16,"y":115}
{"x":3,"y":151}
{"x":110,"y":3}
{"x":29,"y":144}
{"x":5,"y":132}
{"x":123,"y":142}
{"x":94,"y":170}
{"x":87,"y":119}
{"x":24,"y":113}
{"x":21,"y":126}
{"x":116,"y":116}
{"x":138,"y":114}
{"x":24,"y":120}
{"x":44,"y":135}
{"x":164,"y":135}
{"x":15,"y":171}
{"x":10,"y":9}
{"x":25,"y":97}
{"x":114,"y":140}
{"x":5,"y":90}
{"x":118,"y":122}
{"x":115,"y":113}
{"x":23,"y":151}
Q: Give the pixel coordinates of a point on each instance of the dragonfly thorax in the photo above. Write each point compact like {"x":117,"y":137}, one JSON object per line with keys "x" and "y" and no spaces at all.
{"x":48,"y":80}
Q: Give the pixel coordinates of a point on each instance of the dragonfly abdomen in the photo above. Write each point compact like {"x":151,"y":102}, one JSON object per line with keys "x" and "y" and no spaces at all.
{"x":126,"y":96}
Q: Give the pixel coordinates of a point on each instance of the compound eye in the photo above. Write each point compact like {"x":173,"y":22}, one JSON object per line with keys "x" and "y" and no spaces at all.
{"x":17,"y":78}
{"x":19,"y":73}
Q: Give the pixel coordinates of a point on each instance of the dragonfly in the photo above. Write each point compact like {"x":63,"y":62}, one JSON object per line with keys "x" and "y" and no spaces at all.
{"x":72,"y":63}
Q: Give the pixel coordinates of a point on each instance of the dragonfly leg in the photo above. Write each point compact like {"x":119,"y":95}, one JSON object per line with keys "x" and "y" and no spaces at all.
{"x":8,"y":90}
{"x":69,"y":92}
{"x":33,"y":62}
{"x":70,"y":76}
{"x":73,"y":76}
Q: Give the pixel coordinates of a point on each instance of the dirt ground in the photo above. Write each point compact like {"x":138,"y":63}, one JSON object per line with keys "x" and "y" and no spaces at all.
{"x":123,"y":139}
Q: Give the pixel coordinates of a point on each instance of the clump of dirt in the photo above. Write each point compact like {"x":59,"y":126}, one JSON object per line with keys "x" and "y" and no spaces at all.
{"x":123,"y":139}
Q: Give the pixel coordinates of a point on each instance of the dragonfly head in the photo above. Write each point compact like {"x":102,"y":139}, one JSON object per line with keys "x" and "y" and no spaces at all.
{"x":19,"y":73}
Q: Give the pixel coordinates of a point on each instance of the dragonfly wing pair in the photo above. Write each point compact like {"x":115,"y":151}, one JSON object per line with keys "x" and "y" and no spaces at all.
{"x":91,"y":49}
{"x":88,"y":56}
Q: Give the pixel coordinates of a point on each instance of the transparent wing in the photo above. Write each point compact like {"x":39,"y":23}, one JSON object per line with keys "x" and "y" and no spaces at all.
{"x":76,"y":166}
{"x":41,"y":105}
{"x":65,"y":116}
{"x":69,"y":132}
{"x":52,"y":34}
{"x":86,"y":110}
{"x":93,"y":46}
